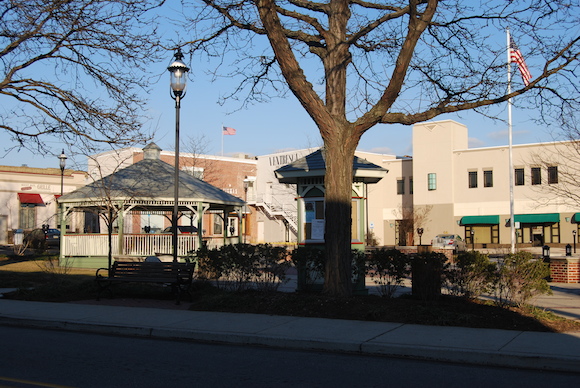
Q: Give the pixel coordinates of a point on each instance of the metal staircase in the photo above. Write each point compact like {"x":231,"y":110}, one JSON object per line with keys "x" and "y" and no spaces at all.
{"x":273,"y":209}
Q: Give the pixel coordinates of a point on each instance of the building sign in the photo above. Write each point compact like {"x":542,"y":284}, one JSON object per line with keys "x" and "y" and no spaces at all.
{"x":36,"y":187}
{"x":282,"y":160}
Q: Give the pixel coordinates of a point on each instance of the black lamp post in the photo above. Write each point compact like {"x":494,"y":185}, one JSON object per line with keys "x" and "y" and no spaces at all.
{"x":178,"y":82}
{"x":62,"y":164}
{"x":574,"y":234}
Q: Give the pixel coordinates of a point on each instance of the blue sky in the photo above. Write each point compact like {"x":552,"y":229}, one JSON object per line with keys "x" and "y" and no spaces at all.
{"x":266,"y":128}
{"x":279,"y":125}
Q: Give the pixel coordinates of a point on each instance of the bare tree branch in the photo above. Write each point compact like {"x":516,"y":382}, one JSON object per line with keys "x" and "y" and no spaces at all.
{"x":74,"y":70}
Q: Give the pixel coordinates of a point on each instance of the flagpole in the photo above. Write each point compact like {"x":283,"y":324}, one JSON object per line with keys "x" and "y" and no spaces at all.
{"x":222,"y":131}
{"x":511,"y":163}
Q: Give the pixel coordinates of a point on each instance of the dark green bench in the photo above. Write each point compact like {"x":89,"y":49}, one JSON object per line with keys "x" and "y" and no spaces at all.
{"x":179,"y":275}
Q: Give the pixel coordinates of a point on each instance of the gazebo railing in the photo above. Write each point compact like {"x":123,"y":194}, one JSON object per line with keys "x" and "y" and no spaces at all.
{"x":133,"y":244}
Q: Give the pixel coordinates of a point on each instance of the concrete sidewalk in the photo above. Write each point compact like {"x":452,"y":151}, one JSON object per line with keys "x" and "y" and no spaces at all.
{"x":533,"y":350}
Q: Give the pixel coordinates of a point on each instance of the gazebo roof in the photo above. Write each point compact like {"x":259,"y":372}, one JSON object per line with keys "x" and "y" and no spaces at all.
{"x":150,"y":181}
{"x":314,"y":165}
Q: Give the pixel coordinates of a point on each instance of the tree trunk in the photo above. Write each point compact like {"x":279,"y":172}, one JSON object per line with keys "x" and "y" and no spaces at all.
{"x":338,"y":197}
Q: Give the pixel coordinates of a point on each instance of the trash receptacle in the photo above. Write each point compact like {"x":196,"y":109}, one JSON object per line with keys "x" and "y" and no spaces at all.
{"x":18,"y":237}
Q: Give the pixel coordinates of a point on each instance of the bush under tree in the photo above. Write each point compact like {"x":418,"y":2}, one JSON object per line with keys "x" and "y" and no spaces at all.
{"x":388,"y":268}
{"x":519,"y":277}
{"x":471,"y":275}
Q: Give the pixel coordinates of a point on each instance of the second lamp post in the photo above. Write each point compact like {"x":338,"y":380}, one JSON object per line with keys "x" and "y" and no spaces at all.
{"x":178,"y":72}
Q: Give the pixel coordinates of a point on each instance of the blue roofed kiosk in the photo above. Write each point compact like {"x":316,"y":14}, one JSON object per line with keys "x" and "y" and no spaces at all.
{"x":308,"y":175}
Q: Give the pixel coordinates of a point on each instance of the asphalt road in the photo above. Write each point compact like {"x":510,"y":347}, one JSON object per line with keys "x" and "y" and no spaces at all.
{"x":44,"y":358}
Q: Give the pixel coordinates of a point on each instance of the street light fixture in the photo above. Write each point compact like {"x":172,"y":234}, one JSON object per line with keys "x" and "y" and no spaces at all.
{"x":574,"y":234}
{"x":420,"y":233}
{"x":178,"y":82}
{"x":62,"y":164}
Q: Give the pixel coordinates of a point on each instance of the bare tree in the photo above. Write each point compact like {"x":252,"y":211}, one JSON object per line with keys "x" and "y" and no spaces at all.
{"x":72,"y":70}
{"x":353,"y":64}
{"x":109,"y":195}
{"x":197,"y":163}
{"x":410,"y":219}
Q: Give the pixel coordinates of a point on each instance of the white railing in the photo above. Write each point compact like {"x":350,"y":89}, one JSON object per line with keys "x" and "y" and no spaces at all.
{"x":133,"y":244}
{"x":88,"y":245}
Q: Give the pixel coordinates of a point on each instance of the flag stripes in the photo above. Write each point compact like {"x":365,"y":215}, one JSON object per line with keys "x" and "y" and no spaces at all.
{"x":515,"y":55}
{"x":228,"y":131}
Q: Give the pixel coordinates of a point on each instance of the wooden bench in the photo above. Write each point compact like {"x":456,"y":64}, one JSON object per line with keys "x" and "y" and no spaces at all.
{"x":179,"y":275}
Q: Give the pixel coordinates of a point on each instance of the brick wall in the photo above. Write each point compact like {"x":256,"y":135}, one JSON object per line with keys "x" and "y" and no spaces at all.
{"x":565,"y":270}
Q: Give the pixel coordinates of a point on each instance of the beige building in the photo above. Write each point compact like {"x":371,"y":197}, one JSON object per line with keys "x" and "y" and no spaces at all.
{"x":275,"y":202}
{"x":28,"y":197}
{"x":468,"y":190}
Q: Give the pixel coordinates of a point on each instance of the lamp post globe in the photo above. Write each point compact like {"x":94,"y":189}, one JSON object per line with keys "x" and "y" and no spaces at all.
{"x":178,"y":73}
{"x":178,"y":82}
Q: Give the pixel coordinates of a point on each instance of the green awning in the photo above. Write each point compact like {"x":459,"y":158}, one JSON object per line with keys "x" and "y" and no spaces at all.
{"x":576,"y":218}
{"x":546,"y":218}
{"x":479,"y":220}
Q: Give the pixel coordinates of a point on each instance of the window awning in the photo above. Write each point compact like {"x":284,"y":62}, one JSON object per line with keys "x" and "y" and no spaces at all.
{"x":30,"y":198}
{"x":479,"y":220}
{"x":575,"y":218}
{"x":545,"y":218}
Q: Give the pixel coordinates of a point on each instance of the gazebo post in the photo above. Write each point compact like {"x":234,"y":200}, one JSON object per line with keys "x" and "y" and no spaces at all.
{"x":240,"y":224}
{"x":62,"y":226}
{"x":200,"y":224}
{"x":225,"y":224}
{"x":120,"y":236}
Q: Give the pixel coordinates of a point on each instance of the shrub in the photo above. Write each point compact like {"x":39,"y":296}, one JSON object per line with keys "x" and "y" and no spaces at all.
{"x":358,"y":259}
{"x":271,"y":264}
{"x":309,"y":262}
{"x":388,"y":268}
{"x":471,"y":275}
{"x":519,"y":277}
{"x":239,"y":267}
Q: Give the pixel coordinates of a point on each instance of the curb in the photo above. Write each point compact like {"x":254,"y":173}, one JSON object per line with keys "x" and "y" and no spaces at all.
{"x":497,"y":358}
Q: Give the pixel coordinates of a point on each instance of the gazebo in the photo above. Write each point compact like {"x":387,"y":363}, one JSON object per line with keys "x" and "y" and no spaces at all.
{"x":146,"y":187}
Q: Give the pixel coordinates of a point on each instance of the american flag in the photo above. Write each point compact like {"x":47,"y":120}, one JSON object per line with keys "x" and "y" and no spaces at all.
{"x":228,"y":131}
{"x":516,"y":56}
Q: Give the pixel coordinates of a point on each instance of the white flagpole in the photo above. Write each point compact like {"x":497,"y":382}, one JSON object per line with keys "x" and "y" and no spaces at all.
{"x":511,"y":163}
{"x":222,"y":132}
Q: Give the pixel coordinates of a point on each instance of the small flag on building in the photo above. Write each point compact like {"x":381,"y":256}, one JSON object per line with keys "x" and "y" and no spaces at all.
{"x":516,"y":56}
{"x":228,"y":131}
